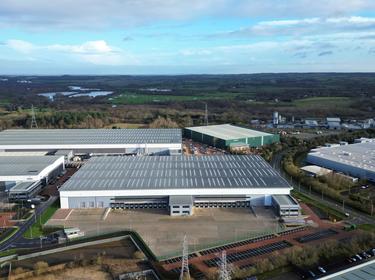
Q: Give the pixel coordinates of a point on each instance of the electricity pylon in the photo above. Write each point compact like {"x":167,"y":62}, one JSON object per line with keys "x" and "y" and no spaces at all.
{"x":185,"y":273}
{"x":33,"y":119}
{"x":205,"y":114}
{"x":224,"y":273}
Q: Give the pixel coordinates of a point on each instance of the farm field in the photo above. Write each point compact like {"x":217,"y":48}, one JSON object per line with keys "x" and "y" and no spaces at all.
{"x":140,"y":98}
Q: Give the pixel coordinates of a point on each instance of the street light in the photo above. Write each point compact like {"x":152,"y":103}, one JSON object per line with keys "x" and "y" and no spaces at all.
{"x":10,"y":267}
{"x":41,"y":241}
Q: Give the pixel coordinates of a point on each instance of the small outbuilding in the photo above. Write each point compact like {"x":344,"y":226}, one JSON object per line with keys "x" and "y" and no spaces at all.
{"x":285,"y":206}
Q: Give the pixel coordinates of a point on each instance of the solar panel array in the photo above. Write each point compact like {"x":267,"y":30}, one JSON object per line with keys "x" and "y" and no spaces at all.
{"x":25,"y":165}
{"x":226,"y":171}
{"x":89,"y":136}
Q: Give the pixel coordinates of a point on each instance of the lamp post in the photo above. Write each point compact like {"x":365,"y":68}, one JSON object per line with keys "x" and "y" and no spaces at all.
{"x":9,"y":263}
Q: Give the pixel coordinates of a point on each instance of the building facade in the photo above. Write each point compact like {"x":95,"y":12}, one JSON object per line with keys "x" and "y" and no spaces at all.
{"x":225,"y":135}
{"x":94,"y":141}
{"x":162,"y":182}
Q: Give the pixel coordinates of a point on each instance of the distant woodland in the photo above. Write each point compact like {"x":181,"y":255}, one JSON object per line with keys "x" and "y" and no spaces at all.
{"x":170,"y":101}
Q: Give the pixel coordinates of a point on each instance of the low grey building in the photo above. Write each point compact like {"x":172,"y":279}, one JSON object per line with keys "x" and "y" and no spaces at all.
{"x":180,"y":205}
{"x":285,"y":206}
{"x":24,"y":190}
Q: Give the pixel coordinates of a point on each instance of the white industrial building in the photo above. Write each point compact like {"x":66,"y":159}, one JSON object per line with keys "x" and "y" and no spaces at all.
{"x":22,"y":176}
{"x":333,"y":123}
{"x":175,"y":182}
{"x":92,"y":141}
{"x":357,"y":160}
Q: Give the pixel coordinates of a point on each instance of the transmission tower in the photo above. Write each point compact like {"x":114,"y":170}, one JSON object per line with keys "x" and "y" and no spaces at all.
{"x":205,"y":114}
{"x":33,"y":119}
{"x":224,"y":273}
{"x":185,"y":273}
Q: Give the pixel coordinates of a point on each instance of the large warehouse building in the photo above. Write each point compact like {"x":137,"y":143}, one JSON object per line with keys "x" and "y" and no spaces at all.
{"x":357,"y":160}
{"x":175,"y":182}
{"x":104,"y":141}
{"x":225,"y":135}
{"x":23,"y":176}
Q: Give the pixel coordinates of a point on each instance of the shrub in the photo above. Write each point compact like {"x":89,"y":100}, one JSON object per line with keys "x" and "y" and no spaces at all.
{"x":139,"y":255}
{"x":40,"y":267}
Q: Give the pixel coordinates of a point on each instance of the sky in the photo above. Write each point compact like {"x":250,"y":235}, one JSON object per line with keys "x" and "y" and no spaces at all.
{"x":45,"y":37}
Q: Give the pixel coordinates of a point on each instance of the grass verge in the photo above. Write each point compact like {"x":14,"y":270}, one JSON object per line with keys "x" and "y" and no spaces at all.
{"x":37,"y":230}
{"x":367,"y":227}
{"x":8,"y":253}
{"x":9,"y":234}
{"x":331,"y":212}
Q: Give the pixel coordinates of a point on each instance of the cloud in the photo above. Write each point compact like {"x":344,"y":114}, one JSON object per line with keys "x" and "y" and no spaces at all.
{"x":94,"y":52}
{"x":94,"y":14}
{"x":305,"y":26}
{"x":325,"y":53}
{"x":192,"y":52}
{"x":300,"y":54}
{"x":90,"y":47}
{"x":20,"y":46}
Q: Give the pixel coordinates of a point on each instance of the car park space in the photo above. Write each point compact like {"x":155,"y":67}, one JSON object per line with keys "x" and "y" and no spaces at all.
{"x":244,"y":255}
{"x":164,"y":233}
{"x":317,"y":235}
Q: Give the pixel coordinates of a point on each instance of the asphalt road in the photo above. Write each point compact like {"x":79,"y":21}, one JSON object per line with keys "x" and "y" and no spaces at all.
{"x":17,"y":240}
{"x":356,"y":216}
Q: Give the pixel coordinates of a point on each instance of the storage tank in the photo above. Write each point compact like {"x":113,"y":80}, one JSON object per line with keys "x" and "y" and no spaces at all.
{"x":275,"y":118}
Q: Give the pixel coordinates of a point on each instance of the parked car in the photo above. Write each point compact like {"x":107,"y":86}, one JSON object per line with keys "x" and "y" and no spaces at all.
{"x":365,"y":255}
{"x":321,"y":269}
{"x":312,"y":274}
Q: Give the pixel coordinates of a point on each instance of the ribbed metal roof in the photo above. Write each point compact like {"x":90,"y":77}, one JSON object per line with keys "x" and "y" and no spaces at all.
{"x":25,"y":165}
{"x":227,"y":131}
{"x":89,"y":136}
{"x":23,"y":186}
{"x":360,"y":155}
{"x":226,"y":171}
{"x":285,"y":200}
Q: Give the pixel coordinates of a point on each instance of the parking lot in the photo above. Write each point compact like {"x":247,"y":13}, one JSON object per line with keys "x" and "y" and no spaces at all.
{"x":235,"y":257}
{"x":194,"y":148}
{"x":164,"y":233}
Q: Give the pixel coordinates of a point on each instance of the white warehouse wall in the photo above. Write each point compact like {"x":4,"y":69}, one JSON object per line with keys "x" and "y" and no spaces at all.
{"x":314,"y":158}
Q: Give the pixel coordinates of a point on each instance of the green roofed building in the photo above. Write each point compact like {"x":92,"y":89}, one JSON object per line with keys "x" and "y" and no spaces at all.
{"x":225,"y":136}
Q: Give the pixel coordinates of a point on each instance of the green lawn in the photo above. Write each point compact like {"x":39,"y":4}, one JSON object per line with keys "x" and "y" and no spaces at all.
{"x":137,"y":98}
{"x":310,"y":103}
{"x":5,"y":101}
{"x":367,"y":227}
{"x":9,"y":235}
{"x":36,"y":230}
{"x":7,"y":253}
{"x":316,"y":102}
{"x":335,"y":214}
